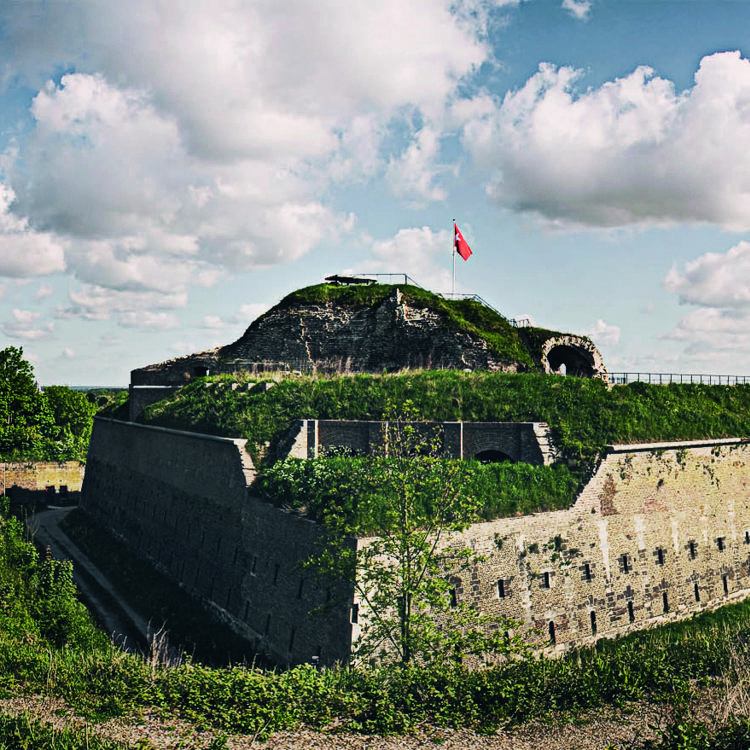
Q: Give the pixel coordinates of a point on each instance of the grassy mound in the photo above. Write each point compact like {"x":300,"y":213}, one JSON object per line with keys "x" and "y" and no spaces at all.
{"x":583,"y":414}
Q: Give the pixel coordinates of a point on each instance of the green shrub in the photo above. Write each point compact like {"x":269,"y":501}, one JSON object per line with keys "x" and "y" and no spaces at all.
{"x":318,"y":486}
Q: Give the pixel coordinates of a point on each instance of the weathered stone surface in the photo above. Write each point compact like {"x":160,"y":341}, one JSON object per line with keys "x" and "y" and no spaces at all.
{"x":659,"y":532}
{"x":393,"y":335}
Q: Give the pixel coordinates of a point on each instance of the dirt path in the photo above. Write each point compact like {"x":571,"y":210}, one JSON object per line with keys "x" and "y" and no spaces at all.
{"x":596,"y":730}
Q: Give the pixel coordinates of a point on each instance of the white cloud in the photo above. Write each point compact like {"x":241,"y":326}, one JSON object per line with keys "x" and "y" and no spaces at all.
{"x":27,"y":324}
{"x":714,"y":279}
{"x":421,"y":253}
{"x":24,"y":252}
{"x":604,"y":334}
{"x":579,"y":9}
{"x":719,"y":283}
{"x":152,"y":321}
{"x":213,"y":322}
{"x":413,"y":173}
{"x":45,"y":290}
{"x":707,"y":330}
{"x":90,"y":302}
{"x":188,"y":145}
{"x":631,"y":152}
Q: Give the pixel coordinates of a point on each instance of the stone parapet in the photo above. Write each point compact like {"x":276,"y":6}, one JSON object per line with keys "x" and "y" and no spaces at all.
{"x":529,"y":442}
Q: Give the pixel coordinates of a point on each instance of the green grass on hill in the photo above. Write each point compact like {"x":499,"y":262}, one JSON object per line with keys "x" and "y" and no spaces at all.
{"x":584,"y":414}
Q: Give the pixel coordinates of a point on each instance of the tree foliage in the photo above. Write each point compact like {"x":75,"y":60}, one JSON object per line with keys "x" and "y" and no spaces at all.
{"x":50,"y":425}
{"x":405,"y":571}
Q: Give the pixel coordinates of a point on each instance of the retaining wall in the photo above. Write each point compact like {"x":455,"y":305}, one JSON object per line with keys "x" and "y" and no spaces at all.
{"x":529,"y":442}
{"x":180,"y":500}
{"x":659,"y":532}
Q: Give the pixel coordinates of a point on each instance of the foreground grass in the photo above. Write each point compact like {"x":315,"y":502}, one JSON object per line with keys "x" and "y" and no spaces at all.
{"x":49,"y":647}
{"x":23,"y":732}
{"x":655,"y":665}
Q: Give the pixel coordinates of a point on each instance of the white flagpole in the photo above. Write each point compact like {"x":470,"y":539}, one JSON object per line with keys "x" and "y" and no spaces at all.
{"x":453,"y":253}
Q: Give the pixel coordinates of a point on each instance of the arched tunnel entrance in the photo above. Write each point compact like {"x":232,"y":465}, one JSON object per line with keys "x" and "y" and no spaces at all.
{"x":570,"y":360}
{"x":492,"y":457}
{"x":573,"y":355}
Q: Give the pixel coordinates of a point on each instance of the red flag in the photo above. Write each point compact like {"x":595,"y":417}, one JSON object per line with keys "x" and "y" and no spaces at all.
{"x":462,"y":247}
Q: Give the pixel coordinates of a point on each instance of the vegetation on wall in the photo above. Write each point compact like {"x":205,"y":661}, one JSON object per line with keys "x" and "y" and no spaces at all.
{"x":313,"y":487}
{"x":583,"y":414}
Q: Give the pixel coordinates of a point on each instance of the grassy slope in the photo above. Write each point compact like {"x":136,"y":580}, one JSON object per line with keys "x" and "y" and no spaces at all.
{"x":583,"y":414}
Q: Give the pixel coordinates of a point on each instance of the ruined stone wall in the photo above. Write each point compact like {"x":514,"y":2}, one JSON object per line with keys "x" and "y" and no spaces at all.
{"x":660,"y":531}
{"x":64,"y":477}
{"x":392,"y":336}
{"x":180,"y":500}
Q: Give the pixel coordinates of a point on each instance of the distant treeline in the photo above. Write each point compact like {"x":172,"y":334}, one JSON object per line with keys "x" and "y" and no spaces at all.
{"x":53,"y":424}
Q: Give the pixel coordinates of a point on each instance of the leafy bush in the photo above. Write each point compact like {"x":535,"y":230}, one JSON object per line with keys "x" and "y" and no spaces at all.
{"x":320,"y":486}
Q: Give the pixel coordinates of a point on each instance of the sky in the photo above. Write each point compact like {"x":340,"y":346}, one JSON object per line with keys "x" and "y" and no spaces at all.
{"x":170,"y":169}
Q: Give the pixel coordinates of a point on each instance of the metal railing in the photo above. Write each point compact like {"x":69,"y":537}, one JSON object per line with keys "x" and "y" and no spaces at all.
{"x":475,"y":297}
{"x":403,"y":277}
{"x":665,"y":378}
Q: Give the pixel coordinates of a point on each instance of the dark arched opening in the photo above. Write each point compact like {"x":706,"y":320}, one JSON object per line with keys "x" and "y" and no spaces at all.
{"x":575,"y":361}
{"x":492,"y":457}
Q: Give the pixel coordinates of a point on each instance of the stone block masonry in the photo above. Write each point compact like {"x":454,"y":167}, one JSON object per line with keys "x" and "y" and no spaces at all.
{"x":659,"y":532}
{"x":528,"y":442}
{"x":180,"y":500}
{"x":62,"y":478}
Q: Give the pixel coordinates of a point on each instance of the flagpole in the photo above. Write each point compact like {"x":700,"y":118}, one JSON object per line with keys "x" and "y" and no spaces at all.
{"x":453,"y":253}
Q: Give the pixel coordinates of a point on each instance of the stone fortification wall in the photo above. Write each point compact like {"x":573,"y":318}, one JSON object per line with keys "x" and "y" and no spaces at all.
{"x":180,"y":500}
{"x":63,"y":478}
{"x":529,"y":442}
{"x":660,"y":531}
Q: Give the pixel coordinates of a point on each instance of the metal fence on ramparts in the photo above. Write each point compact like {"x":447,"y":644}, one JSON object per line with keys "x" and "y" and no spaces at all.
{"x":664,"y":378}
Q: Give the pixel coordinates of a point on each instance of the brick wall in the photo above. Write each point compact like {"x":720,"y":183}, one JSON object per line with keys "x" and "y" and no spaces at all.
{"x":660,"y":531}
{"x":36,"y":477}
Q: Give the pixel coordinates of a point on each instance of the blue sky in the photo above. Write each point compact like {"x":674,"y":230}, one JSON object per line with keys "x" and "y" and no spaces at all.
{"x":169,"y":170}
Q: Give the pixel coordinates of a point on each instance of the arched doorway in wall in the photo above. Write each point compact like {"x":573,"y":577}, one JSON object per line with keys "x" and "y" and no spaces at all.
{"x":575,"y":356}
{"x":492,"y":456}
{"x":571,"y":360}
